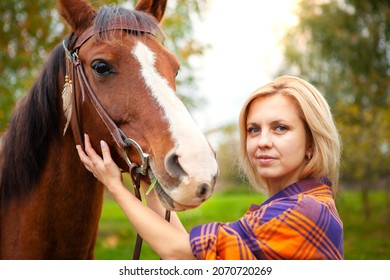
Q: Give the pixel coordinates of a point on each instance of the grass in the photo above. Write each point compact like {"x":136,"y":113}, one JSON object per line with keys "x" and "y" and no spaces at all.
{"x":363,"y":239}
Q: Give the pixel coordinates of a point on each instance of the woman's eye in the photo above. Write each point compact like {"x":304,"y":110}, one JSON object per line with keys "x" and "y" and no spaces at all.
{"x":253,"y":130}
{"x":102,"y":69}
{"x":281,"y":128}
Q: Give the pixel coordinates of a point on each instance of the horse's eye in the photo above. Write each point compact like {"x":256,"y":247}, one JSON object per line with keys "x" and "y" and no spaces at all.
{"x":102,"y":69}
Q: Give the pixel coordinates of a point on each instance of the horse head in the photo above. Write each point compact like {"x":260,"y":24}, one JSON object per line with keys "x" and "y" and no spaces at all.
{"x":132,"y":75}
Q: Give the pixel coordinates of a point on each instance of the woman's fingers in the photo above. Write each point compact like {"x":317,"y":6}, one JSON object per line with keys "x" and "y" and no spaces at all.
{"x":104,"y":169}
{"x":105,"y":152}
{"x":94,"y":157}
{"x":88,"y":156}
{"x":83,"y":156}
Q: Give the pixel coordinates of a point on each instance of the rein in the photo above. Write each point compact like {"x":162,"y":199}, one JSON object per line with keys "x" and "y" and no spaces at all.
{"x":76,"y":71}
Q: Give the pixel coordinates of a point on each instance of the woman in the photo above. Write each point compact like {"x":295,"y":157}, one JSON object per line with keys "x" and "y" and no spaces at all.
{"x":290,"y":150}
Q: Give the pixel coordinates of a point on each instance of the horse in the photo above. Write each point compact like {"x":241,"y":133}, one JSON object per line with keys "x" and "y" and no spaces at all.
{"x":113,"y":79}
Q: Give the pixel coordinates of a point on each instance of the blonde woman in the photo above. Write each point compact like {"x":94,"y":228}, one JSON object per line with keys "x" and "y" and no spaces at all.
{"x":290,"y":150}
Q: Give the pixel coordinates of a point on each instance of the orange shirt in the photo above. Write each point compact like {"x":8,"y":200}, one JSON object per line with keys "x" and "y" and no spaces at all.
{"x":299,"y":222}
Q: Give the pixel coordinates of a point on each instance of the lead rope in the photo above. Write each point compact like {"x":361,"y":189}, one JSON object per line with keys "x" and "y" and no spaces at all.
{"x":135,"y":176}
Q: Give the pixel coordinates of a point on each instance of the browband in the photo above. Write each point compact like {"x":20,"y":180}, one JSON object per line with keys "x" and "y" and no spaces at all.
{"x":116,"y":25}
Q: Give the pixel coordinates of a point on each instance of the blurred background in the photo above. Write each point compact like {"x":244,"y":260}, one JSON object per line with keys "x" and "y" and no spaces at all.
{"x":227,"y":49}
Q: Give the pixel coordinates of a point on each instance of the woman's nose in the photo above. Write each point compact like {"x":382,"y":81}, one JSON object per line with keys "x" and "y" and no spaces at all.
{"x":265,"y":140}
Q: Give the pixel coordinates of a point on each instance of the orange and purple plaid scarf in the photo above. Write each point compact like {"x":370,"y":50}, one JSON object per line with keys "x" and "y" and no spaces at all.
{"x":299,"y":222}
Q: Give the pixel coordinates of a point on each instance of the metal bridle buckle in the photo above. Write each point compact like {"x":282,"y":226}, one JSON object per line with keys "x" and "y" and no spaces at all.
{"x":143,"y":169}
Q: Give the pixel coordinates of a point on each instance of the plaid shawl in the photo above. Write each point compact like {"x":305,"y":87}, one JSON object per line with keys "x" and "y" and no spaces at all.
{"x":299,"y":222}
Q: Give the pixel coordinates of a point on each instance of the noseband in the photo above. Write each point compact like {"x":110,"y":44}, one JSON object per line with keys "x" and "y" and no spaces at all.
{"x":77,"y":74}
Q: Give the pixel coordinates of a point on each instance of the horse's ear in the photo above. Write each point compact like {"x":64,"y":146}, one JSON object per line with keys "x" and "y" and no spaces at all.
{"x":78,"y":13}
{"x":154,"y":7}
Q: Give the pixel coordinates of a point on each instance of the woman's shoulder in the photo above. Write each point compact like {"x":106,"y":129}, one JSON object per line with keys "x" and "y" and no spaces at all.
{"x":302,"y":200}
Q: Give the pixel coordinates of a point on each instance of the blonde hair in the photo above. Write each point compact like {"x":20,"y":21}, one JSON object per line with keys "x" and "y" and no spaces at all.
{"x":318,"y":120}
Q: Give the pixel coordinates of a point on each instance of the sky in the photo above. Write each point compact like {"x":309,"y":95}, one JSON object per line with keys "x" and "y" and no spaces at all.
{"x":244,"y":54}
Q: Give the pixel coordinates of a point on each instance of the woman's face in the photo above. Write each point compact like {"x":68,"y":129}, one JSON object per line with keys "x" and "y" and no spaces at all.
{"x":276,"y":140}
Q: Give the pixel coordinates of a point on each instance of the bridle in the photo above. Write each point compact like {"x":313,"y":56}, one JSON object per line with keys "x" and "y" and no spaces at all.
{"x":77,"y":75}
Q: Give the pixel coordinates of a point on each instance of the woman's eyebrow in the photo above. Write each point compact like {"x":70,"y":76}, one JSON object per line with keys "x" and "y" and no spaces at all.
{"x":278,"y":121}
{"x":275,"y":122}
{"x":252,"y":124}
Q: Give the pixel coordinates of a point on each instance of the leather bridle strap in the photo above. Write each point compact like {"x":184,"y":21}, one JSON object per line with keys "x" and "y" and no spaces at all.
{"x":116,"y":133}
{"x":72,"y":52}
{"x":116,"y":25}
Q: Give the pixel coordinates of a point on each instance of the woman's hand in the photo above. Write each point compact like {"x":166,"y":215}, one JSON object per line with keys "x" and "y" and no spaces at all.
{"x":104,"y":169}
{"x":169,"y":240}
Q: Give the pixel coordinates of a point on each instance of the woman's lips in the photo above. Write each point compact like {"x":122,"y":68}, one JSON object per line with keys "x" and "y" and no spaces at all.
{"x":265,"y":159}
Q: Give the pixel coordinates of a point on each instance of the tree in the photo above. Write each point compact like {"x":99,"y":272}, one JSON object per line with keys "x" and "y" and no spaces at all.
{"x":231,"y":176}
{"x":343,"y":47}
{"x":30,"y":29}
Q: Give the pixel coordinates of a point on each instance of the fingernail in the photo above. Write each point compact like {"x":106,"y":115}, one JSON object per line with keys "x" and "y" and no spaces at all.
{"x":103,"y":144}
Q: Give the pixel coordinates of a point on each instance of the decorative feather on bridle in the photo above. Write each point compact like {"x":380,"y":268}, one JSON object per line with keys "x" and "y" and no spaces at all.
{"x":67,"y":91}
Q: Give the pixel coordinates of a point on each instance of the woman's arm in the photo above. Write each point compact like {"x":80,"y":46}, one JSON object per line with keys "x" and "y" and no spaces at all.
{"x":154,"y":203}
{"x":166,"y":239}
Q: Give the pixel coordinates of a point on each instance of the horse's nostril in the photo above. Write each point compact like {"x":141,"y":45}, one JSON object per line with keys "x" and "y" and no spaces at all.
{"x":203,"y":190}
{"x":173,"y":165}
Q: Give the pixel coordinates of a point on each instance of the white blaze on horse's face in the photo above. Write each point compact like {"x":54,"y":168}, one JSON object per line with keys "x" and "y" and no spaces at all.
{"x":196,"y":161}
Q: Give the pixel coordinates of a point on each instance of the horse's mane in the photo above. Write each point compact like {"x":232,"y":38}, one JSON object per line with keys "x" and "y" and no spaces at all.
{"x":108,"y":13}
{"x":33,"y":125}
{"x":35,"y":122}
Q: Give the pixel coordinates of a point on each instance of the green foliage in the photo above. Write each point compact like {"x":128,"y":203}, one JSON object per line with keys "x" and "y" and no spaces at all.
{"x":177,"y":25}
{"x":30,"y":29}
{"x":343,"y":47}
{"x":363,"y":240}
